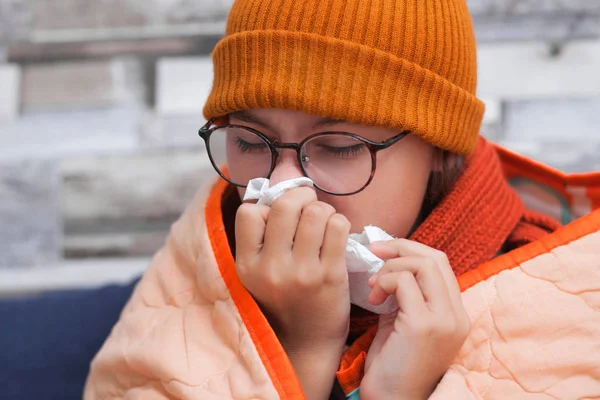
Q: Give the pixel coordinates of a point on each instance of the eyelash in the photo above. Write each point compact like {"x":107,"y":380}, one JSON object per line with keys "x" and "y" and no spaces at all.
{"x":346,"y":151}
{"x":246,"y":147}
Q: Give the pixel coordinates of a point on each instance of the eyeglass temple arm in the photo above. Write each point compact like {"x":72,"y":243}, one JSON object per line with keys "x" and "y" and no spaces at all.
{"x":393,"y":139}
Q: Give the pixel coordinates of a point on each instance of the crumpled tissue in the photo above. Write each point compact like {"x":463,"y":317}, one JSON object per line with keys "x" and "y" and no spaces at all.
{"x":259,"y":189}
{"x":360,"y":261}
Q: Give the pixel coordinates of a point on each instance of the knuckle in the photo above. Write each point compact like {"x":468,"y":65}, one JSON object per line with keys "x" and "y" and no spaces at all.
{"x":405,"y":277}
{"x":317,"y":211}
{"x":327,"y":208}
{"x":245,"y":211}
{"x":401,"y":242}
{"x":429,"y":263}
{"x":386,"y":268}
{"x":339,"y":222}
{"x":392,"y":265}
{"x":442,"y":257}
{"x":423,"y":327}
{"x":306,"y":280}
{"x":273,"y":281}
{"x":283,"y":204}
{"x":313,"y":213}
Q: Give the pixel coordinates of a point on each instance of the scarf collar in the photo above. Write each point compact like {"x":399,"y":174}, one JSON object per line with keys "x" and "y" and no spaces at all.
{"x":474,"y":221}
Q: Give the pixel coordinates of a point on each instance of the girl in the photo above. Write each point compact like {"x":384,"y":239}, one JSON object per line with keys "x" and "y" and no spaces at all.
{"x":375,"y":102}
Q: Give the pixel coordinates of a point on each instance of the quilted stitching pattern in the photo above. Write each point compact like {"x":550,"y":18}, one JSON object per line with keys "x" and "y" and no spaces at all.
{"x":180,"y":335}
{"x":535,"y":330}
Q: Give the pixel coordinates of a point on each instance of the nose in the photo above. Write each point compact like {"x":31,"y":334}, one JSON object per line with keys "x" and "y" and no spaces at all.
{"x":287,"y":167}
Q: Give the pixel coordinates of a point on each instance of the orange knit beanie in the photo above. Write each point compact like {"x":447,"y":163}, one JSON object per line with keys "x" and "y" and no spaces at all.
{"x":402,"y":64}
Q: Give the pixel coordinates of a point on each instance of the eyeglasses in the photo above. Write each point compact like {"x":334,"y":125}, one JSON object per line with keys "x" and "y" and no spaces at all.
{"x":339,"y":163}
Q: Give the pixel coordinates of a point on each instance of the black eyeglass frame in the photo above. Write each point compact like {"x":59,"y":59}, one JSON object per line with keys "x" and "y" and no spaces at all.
{"x":275,"y":147}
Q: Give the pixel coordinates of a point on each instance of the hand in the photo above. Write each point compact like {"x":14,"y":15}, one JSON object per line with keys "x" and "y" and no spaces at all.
{"x":415,"y":346}
{"x":291,"y":258}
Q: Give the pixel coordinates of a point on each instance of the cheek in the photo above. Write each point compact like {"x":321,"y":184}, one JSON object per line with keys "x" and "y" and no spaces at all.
{"x":392,"y":201}
{"x":395,"y":212}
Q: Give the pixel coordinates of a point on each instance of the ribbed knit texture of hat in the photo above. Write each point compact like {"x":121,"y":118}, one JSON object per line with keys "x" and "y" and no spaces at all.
{"x":402,"y":64}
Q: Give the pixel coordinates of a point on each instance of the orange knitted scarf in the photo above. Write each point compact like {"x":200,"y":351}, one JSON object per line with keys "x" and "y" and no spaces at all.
{"x":481,"y":217}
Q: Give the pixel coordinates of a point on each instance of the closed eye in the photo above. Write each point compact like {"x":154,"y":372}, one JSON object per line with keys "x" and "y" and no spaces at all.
{"x":247,"y":147}
{"x":345,"y":151}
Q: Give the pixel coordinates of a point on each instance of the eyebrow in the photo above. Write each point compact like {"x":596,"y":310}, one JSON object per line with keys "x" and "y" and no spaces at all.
{"x":252,"y":119}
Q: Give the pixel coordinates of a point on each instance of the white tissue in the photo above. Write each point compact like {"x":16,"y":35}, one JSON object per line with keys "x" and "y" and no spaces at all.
{"x":361,"y":263}
{"x":258,"y":189}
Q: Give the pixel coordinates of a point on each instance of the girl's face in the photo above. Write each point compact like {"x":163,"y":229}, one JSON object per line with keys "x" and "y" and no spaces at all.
{"x":394,"y":197}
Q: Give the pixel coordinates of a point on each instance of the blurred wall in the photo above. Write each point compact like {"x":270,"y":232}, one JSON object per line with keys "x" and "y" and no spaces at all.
{"x":100,"y":102}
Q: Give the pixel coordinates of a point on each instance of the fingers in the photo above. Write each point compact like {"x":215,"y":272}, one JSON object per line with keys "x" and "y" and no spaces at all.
{"x":334,"y":241}
{"x":404,"y":286}
{"x":428,"y":277}
{"x":311,"y":230}
{"x":250,"y":223}
{"x":283,"y":220}
{"x":407,"y":248}
{"x":401,"y":248}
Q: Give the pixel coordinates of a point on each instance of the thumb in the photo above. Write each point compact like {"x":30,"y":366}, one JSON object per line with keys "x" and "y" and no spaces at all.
{"x":384,"y":250}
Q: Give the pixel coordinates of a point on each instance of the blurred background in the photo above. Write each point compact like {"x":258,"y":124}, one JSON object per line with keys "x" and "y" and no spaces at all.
{"x":100,"y":103}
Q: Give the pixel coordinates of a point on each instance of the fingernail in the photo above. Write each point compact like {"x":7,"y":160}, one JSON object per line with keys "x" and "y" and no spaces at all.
{"x":378,"y":244}
{"x":372,"y":280}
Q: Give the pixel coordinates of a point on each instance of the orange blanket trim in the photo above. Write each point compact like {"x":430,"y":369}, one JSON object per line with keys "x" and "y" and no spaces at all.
{"x":516,"y":164}
{"x":265,"y":340}
{"x":563,"y":236}
{"x":352,"y":365}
